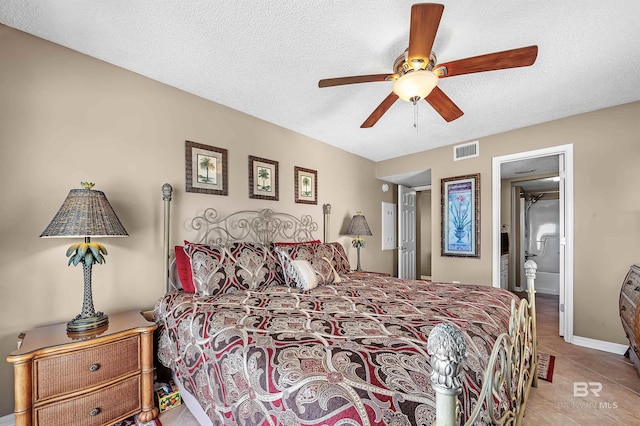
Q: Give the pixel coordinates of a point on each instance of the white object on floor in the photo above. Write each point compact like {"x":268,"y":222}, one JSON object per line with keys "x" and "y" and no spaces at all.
{"x":8,"y":420}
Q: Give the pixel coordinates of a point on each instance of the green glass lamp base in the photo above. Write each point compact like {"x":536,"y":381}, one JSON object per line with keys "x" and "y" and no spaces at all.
{"x":79,"y":324}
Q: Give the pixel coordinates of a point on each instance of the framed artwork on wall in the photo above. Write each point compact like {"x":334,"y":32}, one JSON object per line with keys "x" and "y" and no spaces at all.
{"x":263,"y":178}
{"x":306,"y":185}
{"x":461,"y":216}
{"x":206,"y":169}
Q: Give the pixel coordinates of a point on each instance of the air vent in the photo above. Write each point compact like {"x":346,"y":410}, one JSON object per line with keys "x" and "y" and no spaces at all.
{"x":467,"y":150}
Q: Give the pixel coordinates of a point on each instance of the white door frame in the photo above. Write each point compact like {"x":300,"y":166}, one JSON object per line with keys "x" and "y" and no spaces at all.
{"x":567,"y":283}
{"x":562,"y":188}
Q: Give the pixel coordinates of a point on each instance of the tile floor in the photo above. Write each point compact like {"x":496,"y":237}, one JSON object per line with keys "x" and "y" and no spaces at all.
{"x":554,"y":403}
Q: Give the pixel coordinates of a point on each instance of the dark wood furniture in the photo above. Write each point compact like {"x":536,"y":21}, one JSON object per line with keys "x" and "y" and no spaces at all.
{"x":630,"y":312}
{"x":91,"y":379}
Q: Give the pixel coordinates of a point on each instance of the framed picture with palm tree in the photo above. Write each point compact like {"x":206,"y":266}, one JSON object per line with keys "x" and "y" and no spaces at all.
{"x":206,"y":169}
{"x":461,"y":216}
{"x":306,"y":185}
{"x":263,"y":178}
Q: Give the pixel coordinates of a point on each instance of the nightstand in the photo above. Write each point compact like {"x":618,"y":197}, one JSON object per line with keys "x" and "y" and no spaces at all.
{"x":90,"y":379}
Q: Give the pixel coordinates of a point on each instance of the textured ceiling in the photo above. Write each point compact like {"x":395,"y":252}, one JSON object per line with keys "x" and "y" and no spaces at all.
{"x":265,"y":58}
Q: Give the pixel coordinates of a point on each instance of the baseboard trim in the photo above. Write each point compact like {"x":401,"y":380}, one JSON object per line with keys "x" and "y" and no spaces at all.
{"x":601,"y":345}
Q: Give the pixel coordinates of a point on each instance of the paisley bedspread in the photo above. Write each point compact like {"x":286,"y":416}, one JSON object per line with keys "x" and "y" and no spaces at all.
{"x":349,"y":353}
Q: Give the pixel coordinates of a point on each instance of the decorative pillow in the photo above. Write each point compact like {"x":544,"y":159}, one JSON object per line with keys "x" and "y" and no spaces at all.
{"x":336,"y":277}
{"x":314,"y":253}
{"x":285,"y":263}
{"x":339,"y":259}
{"x":303,"y":274}
{"x":238,"y":266}
{"x":183,"y":267}
{"x":321,"y":266}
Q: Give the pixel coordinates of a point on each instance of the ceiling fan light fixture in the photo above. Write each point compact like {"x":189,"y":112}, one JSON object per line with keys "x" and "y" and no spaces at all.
{"x":415,"y":84}
{"x":417,"y":64}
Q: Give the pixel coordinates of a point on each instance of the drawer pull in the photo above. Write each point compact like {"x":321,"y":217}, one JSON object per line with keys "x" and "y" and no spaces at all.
{"x":94,"y":367}
{"x":94,"y":412}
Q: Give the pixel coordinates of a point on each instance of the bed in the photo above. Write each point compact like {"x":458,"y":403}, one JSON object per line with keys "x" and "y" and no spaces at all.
{"x":248,"y":346}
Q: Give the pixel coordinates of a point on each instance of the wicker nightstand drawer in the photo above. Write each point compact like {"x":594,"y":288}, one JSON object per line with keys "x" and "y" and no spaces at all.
{"x":60,"y":374}
{"x":94,"y":409}
{"x":90,"y":379}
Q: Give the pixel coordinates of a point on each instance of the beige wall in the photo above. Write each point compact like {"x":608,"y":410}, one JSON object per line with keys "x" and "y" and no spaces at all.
{"x":607,"y":206}
{"x":66,"y":118}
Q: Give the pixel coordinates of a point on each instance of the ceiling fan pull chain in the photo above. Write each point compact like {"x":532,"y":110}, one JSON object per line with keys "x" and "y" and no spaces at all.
{"x":415,"y":115}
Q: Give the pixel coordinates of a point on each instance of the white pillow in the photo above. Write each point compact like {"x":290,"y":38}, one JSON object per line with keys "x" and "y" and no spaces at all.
{"x":304,"y":275}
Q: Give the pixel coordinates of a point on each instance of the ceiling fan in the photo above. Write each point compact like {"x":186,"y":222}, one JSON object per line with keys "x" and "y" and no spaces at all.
{"x":416,"y":73}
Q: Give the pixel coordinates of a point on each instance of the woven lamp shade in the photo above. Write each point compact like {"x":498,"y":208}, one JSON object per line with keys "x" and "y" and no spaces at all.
{"x":85,"y":213}
{"x":359,"y":226}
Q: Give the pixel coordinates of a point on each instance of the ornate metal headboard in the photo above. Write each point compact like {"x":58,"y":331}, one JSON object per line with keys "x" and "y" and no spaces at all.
{"x":261,"y":226}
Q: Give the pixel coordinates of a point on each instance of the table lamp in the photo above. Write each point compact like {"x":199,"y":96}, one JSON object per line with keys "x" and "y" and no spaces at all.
{"x":86,"y":213}
{"x":358,"y":228}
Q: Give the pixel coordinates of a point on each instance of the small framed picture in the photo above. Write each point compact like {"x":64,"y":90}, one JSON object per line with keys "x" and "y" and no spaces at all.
{"x":263,"y":178}
{"x":306,"y":185}
{"x":206,"y":169}
{"x":461,"y":216}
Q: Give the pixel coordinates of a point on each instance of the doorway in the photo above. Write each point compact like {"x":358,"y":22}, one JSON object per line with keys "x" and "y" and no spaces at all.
{"x":564,"y":155}
{"x":413,"y":217}
{"x":535,"y":228}
{"x":414,"y":232}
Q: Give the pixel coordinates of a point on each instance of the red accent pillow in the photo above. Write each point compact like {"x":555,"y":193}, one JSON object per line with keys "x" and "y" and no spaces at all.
{"x":183,"y":266}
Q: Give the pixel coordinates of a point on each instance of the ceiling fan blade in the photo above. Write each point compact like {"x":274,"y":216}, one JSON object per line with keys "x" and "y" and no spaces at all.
{"x":425,"y":19}
{"x":522,"y":57}
{"x":379,"y":112}
{"x":443,"y":105}
{"x":339,"y":81}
